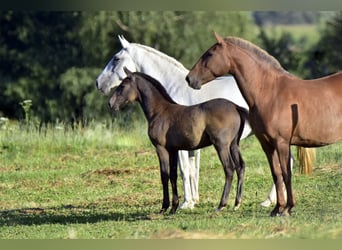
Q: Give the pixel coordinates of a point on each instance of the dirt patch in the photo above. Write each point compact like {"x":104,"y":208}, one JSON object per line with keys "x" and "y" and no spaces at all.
{"x":179,"y":234}
{"x":110,"y":171}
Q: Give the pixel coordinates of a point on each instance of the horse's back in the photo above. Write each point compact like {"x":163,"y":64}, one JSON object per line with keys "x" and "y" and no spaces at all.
{"x":222,"y":111}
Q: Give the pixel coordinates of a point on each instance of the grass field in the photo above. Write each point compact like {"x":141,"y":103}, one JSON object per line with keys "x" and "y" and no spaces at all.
{"x":103,"y":182}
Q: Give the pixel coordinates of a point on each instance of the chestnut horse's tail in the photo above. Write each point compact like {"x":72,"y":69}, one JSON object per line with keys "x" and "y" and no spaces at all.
{"x":306,"y":158}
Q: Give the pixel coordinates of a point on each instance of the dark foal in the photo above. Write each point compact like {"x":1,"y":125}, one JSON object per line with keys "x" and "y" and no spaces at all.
{"x":173,"y":127}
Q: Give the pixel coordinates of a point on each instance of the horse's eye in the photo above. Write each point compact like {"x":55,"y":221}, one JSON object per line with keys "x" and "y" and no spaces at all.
{"x":115,"y":60}
{"x":120,"y":89}
{"x":207,"y":55}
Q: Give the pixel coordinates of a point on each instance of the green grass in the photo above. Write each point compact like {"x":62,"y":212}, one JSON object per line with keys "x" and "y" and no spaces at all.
{"x":104,"y":182}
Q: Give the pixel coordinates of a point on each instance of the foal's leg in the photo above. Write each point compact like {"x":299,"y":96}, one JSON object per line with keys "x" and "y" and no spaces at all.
{"x":240,"y":171}
{"x":283,"y":149}
{"x":184,"y":166}
{"x":228,"y":168}
{"x":163,"y":157}
{"x":173,"y":178}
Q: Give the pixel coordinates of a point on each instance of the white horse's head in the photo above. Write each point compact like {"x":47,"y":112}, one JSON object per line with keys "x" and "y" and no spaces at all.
{"x":113,"y":73}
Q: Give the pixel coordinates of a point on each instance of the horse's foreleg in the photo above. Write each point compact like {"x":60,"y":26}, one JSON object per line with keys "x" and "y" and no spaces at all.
{"x":184,"y":167}
{"x":163,"y":157}
{"x":273,"y":160}
{"x":272,"y":195}
{"x":173,"y":178}
{"x":283,"y":149}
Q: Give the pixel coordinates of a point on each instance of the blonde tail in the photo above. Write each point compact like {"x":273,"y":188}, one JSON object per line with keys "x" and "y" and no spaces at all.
{"x":306,"y":158}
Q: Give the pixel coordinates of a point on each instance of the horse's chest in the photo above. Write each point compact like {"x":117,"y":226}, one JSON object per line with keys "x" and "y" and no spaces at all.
{"x":157,"y":131}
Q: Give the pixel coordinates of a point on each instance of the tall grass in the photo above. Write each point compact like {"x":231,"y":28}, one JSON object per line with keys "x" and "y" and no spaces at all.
{"x":103,"y":181}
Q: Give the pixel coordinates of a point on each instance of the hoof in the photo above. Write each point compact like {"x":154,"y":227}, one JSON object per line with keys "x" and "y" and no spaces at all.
{"x":187,"y":205}
{"x":219,"y":209}
{"x":286,"y":212}
{"x":276,"y":212}
{"x":236,"y":207}
{"x":280,"y":212}
{"x":266,"y":203}
{"x":162,"y":211}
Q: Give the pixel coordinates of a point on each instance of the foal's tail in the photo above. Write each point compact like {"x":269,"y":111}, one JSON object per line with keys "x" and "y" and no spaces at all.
{"x":243,"y":119}
{"x":234,"y":146}
{"x":306,"y":158}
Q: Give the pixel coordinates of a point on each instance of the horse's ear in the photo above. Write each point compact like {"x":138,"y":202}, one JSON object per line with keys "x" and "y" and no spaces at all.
{"x":127,"y":71}
{"x":123,"y":41}
{"x":219,"y":39}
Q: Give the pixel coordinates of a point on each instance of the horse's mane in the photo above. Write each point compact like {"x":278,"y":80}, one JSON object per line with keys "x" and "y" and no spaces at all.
{"x":157,"y":85}
{"x":260,"y":53}
{"x":162,"y":55}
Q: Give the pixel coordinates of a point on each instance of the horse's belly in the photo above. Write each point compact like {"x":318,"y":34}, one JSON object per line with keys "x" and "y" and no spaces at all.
{"x":190,"y":141}
{"x":318,"y":132}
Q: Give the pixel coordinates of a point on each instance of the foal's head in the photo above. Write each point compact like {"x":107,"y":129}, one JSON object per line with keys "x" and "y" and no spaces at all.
{"x":125,"y":93}
{"x":212,"y":63}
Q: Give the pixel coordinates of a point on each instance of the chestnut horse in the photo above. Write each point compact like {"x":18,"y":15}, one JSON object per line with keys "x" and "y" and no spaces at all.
{"x":284,"y":110}
{"x":173,"y":127}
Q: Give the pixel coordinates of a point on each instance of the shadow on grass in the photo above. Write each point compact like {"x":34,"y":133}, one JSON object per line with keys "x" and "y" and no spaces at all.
{"x":67,"y":214}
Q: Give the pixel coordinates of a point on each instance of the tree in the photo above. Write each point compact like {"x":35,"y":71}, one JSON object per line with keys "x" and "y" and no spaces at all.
{"x":183,"y":35}
{"x":35,"y":48}
{"x":53,"y":58}
{"x":326,"y":56}
{"x":283,"y":47}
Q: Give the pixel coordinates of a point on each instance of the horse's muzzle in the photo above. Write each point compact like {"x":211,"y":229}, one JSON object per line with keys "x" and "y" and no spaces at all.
{"x":192,"y":83}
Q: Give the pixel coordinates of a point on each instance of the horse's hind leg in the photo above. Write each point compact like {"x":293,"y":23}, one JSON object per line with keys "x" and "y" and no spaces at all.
{"x":184,"y":166}
{"x":194,"y":164}
{"x":227,"y":164}
{"x":240,"y":171}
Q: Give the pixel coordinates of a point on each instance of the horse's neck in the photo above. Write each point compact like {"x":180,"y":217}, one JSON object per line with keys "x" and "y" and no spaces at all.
{"x":252,"y":76}
{"x":151,"y":100}
{"x":163,"y":68}
{"x":171,"y":74}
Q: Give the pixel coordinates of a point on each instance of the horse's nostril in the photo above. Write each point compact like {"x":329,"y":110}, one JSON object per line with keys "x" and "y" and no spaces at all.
{"x":97,"y":84}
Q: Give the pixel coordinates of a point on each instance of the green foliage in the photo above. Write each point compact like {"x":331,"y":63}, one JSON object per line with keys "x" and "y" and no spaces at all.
{"x":282,"y":47}
{"x":264,"y":18}
{"x":53,"y":58}
{"x":184,"y":35}
{"x":326,"y":55}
